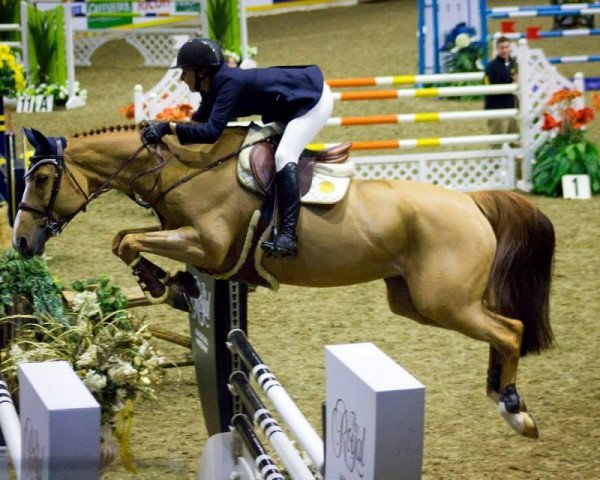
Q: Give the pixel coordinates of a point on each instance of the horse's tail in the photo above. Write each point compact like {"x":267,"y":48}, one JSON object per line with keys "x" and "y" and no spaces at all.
{"x":519,"y":285}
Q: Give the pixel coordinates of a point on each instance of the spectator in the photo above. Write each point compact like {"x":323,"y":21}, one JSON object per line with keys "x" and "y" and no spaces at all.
{"x":502,"y":69}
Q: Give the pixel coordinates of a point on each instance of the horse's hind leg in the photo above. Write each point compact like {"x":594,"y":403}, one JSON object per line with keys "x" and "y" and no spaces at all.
{"x":501,"y":380}
{"x":504,"y":336}
{"x":400,"y":302}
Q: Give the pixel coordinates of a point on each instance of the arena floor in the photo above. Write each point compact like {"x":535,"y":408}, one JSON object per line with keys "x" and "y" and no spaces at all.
{"x":465,"y":437}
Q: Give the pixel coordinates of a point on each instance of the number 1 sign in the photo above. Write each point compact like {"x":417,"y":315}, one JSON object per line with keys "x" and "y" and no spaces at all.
{"x":576,"y":186}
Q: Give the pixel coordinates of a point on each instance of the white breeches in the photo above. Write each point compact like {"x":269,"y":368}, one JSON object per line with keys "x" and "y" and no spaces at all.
{"x":300,"y":131}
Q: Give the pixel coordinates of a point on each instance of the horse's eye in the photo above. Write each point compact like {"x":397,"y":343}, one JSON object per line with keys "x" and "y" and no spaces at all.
{"x":41,"y":180}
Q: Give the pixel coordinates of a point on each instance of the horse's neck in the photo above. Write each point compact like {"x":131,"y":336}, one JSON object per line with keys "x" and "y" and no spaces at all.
{"x":99,"y":157}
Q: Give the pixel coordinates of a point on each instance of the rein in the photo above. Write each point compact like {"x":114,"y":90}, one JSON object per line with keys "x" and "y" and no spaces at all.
{"x":208,"y":167}
{"x":53,"y":226}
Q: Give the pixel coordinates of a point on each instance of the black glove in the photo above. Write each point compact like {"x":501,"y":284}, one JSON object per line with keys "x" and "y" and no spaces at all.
{"x":155,"y":131}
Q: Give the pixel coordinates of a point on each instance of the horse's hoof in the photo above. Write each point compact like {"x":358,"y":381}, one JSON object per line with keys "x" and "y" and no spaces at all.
{"x":521,"y":422}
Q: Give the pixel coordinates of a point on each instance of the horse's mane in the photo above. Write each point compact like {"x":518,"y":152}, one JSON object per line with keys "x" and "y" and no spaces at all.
{"x":113,"y":128}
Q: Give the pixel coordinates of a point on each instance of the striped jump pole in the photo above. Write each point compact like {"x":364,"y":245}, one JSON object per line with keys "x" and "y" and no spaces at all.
{"x":262,"y":460}
{"x":422,"y":117}
{"x":285,"y":406}
{"x":536,"y":8}
{"x":271,"y":429}
{"x":404,"y":144}
{"x":404,"y":79}
{"x":516,"y":12}
{"x":534,"y":34}
{"x":574,"y":59}
{"x":11,"y":427}
{"x":426,"y":92}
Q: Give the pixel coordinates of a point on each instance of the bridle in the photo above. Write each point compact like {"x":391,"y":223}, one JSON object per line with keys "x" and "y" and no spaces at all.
{"x":52,"y":225}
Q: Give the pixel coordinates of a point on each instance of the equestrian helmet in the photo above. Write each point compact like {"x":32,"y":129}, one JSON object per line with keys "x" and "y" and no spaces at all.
{"x":199,"y":53}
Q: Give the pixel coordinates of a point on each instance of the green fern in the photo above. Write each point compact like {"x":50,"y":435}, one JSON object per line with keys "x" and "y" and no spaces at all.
{"x":42,"y":27}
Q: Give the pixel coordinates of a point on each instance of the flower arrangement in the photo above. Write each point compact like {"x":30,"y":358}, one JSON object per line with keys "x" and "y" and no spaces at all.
{"x":59,"y":92}
{"x":114,"y":360}
{"x":31,"y":278}
{"x":179,"y":113}
{"x":465,"y":55}
{"x":128,"y":111}
{"x":12,"y":80}
{"x":100,"y":340}
{"x":567,"y":151}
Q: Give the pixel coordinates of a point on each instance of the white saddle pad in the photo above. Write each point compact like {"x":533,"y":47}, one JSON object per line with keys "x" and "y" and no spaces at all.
{"x":330,"y":180}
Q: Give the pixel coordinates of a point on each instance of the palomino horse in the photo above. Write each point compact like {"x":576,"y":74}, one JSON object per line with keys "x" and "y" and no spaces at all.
{"x":477,"y":263}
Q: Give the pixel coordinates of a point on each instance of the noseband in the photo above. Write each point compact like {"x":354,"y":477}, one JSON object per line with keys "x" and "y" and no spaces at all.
{"x":52,"y":225}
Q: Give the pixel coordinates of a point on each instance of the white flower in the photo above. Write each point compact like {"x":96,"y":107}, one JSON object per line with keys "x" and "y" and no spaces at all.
{"x":94,"y":381}
{"x":155,"y":361}
{"x":479,"y":64}
{"x":462,"y":40}
{"x":15,"y":350}
{"x":86,"y":303}
{"x":121,"y":394}
{"x":89,"y":358}
{"x":122,"y":373}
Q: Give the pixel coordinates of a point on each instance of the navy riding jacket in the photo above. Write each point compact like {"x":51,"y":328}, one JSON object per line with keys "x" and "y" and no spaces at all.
{"x":278,"y":94}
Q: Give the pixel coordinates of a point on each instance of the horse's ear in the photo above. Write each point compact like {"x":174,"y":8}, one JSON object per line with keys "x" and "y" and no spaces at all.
{"x":38,"y":140}
{"x":30,"y":138}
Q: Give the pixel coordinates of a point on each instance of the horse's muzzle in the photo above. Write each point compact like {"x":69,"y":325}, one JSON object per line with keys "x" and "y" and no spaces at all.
{"x":22,"y":246}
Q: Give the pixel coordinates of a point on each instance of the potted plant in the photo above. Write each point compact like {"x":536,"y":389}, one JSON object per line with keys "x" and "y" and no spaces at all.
{"x":567,"y":151}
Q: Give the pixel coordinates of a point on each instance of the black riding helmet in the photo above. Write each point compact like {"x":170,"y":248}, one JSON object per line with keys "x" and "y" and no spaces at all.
{"x":200,"y":53}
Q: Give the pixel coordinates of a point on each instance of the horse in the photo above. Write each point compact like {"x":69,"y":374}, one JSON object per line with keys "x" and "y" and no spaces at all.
{"x":477,"y":263}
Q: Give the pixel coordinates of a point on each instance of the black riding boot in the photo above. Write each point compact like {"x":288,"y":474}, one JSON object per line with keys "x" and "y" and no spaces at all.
{"x":285,"y":243}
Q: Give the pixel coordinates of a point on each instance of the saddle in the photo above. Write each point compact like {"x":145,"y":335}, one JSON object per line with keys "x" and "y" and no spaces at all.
{"x":324,"y":175}
{"x":262,"y":164}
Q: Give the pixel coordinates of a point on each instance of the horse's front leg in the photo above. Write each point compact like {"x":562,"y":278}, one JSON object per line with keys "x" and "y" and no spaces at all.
{"x":123,"y":233}
{"x":183,"y":245}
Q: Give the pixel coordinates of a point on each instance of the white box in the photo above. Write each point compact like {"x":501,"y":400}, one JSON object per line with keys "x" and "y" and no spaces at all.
{"x":60,"y":424}
{"x":375,"y":415}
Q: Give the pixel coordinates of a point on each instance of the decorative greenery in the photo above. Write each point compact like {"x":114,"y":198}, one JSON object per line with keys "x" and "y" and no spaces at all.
{"x":110,"y":297}
{"x":9,"y":13}
{"x":12,"y":80}
{"x":115,"y":361}
{"x":42,"y":28}
{"x":59,"y":92}
{"x":223,"y":23}
{"x":47,"y":50}
{"x":466,"y":56}
{"x":97,"y":337}
{"x":568,"y":151}
{"x":33,"y":279}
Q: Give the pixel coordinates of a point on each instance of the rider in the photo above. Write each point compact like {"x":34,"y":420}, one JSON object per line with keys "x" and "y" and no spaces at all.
{"x":295,"y":96}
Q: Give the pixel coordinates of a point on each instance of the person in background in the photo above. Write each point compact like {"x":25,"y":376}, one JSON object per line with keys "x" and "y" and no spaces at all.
{"x":502,"y":69}
{"x":295,"y":96}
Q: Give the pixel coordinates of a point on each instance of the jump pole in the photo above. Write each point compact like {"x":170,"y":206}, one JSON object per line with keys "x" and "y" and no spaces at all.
{"x":497,"y":89}
{"x":285,"y":406}
{"x":422,"y":117}
{"x":288,"y":454}
{"x":520,"y":12}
